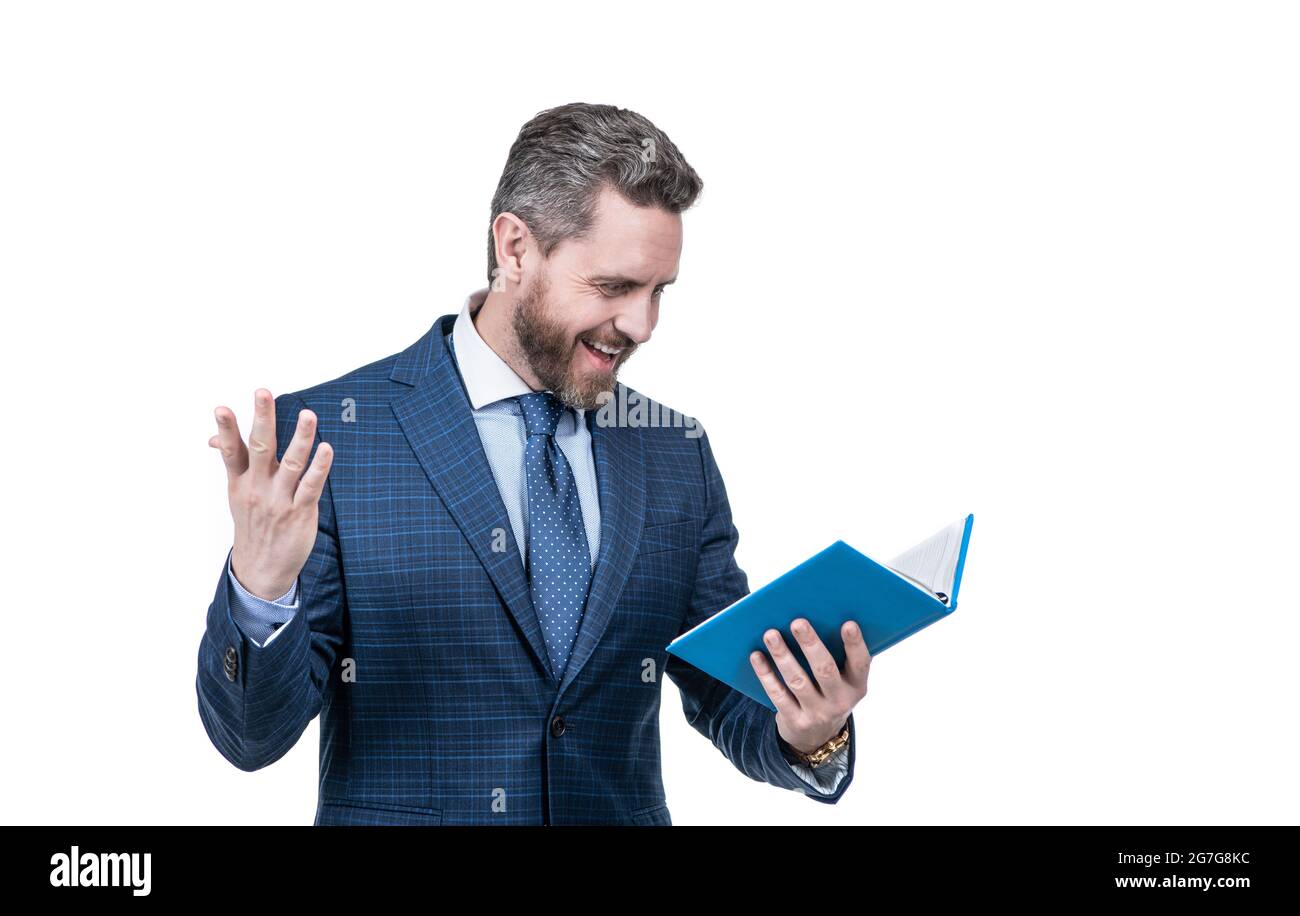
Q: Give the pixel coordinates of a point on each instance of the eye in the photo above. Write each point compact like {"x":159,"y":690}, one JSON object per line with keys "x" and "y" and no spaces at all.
{"x":659,"y":290}
{"x":614,"y":290}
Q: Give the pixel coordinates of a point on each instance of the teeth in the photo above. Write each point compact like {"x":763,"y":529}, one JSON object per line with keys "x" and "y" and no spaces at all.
{"x":609,"y":351}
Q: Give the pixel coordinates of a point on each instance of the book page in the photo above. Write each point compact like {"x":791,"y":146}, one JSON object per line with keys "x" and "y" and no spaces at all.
{"x":932,"y":564}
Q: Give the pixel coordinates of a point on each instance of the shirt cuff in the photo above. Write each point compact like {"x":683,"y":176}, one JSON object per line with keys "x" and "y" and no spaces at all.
{"x":827,"y":777}
{"x":258,"y":619}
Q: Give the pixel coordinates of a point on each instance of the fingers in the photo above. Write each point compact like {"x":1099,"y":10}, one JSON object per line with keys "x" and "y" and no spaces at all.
{"x":796,"y":679}
{"x":261,"y":439}
{"x":782,"y":699}
{"x":313,"y":482}
{"x":227,"y":440}
{"x":857,"y":658}
{"x":824,"y":667}
{"x":294,"y":460}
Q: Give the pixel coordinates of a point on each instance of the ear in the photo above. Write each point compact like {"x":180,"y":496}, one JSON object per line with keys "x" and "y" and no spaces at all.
{"x":513,"y":242}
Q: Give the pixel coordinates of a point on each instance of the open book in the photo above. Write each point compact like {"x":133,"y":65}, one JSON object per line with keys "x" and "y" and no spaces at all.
{"x":889,"y":601}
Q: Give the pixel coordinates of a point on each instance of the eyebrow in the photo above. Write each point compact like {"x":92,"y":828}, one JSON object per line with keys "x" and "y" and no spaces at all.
{"x":615,"y":279}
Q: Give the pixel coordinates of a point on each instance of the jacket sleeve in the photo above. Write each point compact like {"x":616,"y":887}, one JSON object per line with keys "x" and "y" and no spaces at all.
{"x":256,"y":700}
{"x":743,"y":729}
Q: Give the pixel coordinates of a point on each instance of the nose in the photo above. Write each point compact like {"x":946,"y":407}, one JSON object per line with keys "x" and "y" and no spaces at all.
{"x":637,"y":320}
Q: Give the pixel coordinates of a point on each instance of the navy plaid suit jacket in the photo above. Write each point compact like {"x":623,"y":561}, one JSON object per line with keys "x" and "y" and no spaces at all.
{"x":417,"y":643}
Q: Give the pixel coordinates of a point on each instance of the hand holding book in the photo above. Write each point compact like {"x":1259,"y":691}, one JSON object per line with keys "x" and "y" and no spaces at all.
{"x":812,"y":711}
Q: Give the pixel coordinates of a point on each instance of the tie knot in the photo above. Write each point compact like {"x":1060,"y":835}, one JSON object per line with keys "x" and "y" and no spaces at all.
{"x":542,"y":411}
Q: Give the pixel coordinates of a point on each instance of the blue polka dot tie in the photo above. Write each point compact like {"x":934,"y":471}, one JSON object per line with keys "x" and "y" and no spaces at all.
{"x":559,"y":559}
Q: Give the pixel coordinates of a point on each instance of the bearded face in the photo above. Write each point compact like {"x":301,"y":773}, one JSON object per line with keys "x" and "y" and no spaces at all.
{"x":576,"y":364}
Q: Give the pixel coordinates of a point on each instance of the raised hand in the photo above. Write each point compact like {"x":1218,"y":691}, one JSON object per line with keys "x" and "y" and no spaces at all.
{"x":274,"y":503}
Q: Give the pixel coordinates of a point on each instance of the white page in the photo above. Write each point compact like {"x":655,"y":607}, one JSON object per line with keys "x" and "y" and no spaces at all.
{"x":932,"y":564}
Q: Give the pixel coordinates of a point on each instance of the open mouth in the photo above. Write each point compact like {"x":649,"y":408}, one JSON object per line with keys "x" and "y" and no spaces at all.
{"x":602,"y":356}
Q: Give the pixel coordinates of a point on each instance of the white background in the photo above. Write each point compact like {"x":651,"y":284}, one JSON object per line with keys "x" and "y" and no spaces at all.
{"x":1034,"y":261}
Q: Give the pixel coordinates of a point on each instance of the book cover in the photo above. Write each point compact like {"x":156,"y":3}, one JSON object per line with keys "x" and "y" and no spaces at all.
{"x":889,"y":601}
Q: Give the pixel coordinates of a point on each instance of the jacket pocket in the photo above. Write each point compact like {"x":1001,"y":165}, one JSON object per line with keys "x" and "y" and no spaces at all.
{"x":653,"y":816}
{"x":662,"y":538}
{"x":349,"y":813}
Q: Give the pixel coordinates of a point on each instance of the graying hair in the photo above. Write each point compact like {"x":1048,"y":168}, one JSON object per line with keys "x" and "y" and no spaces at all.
{"x":564,"y":156}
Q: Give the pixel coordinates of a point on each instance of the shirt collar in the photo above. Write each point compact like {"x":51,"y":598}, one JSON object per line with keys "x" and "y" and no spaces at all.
{"x":487,"y":377}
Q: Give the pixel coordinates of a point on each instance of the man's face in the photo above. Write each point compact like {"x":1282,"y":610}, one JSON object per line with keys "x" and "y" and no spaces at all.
{"x":586,"y":309}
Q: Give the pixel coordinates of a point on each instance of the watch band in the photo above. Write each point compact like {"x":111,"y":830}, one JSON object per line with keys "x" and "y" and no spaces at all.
{"x":817,"y":757}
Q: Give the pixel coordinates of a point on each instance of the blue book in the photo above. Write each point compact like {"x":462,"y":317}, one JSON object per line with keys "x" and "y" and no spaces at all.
{"x":889,"y":601}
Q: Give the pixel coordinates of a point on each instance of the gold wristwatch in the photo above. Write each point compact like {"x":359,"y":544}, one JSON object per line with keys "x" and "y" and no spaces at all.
{"x":819,"y":756}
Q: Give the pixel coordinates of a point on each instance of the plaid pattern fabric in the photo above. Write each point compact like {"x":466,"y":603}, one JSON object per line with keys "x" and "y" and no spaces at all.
{"x":417,"y":644}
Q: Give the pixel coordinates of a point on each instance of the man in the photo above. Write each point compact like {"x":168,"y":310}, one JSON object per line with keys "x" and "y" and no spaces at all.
{"x":471,"y":577}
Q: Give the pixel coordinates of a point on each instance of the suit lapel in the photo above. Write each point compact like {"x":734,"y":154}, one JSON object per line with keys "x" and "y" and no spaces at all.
{"x":620,"y":482}
{"x":436,"y":418}
{"x":437,"y":421}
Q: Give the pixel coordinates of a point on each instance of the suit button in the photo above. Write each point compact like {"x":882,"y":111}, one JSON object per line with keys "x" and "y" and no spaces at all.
{"x":557,"y":726}
{"x":231,"y":663}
